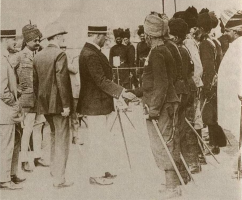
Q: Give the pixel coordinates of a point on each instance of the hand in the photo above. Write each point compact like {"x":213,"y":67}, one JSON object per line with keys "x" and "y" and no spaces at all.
{"x":152,"y":117}
{"x":66,"y":112}
{"x":128,"y":95}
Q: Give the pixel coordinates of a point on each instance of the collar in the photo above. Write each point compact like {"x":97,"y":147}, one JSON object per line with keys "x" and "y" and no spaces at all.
{"x":5,"y":52}
{"x":94,"y":44}
{"x":27,"y":51}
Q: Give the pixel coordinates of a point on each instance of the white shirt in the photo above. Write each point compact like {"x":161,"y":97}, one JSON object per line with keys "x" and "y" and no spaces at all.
{"x":229,"y":87}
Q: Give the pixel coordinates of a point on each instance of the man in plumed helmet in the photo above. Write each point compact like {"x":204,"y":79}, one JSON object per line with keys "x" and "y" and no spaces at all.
{"x":210,"y":58}
{"x":142,"y":51}
{"x":131,"y":58}
{"x":118,"y":58}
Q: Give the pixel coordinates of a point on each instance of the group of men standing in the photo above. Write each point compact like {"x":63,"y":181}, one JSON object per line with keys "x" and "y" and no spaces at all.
{"x":179,"y":88}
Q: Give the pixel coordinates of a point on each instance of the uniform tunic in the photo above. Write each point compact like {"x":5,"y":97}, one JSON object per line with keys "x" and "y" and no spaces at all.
{"x":123,"y":74}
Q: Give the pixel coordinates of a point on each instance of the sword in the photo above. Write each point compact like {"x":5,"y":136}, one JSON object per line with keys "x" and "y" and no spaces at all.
{"x":167,"y":150}
{"x":194,"y":130}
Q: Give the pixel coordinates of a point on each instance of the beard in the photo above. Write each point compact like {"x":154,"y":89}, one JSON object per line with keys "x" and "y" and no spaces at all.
{"x":118,"y":42}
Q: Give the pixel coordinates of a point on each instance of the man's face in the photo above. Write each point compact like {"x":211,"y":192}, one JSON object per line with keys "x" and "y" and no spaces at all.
{"x":34,"y":44}
{"x":230,"y":34}
{"x":118,"y":40}
{"x":148,"y":40}
{"x":11,"y":44}
{"x":61,"y":40}
{"x":142,"y":37}
{"x":126,"y":41}
{"x":102,"y":39}
{"x":198,"y":34}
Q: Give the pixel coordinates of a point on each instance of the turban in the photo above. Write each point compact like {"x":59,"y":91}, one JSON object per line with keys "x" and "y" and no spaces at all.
{"x":232,"y":19}
{"x":156,"y":25}
{"x":178,"y":27}
{"x":30,"y":32}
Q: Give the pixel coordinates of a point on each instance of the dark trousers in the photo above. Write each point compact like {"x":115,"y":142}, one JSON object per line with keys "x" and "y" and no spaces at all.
{"x":60,"y":143}
{"x":189,"y":142}
{"x":165,"y":123}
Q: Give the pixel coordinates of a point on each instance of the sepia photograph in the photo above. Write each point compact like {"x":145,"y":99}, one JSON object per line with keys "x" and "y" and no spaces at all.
{"x":121,"y":100}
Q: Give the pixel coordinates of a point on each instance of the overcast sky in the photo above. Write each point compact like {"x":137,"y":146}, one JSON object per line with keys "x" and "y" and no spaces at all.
{"x":76,"y":15}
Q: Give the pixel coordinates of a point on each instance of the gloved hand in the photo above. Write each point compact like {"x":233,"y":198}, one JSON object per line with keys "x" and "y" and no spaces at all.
{"x":66,"y":112}
{"x":128,"y":95}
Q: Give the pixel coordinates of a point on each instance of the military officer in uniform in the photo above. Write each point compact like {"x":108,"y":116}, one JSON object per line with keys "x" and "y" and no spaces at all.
{"x":120,"y":53}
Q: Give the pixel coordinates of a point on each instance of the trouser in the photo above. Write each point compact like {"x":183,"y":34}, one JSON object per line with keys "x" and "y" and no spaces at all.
{"x":17,"y":143}
{"x":7,"y":136}
{"x":101,"y":155}
{"x":189,"y":142}
{"x":60,"y":144}
{"x":32,"y":123}
{"x":165,"y":123}
{"x":74,"y":120}
{"x":45,"y":145}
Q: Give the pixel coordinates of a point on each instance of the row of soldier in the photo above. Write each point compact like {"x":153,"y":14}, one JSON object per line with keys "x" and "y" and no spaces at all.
{"x":179,"y":87}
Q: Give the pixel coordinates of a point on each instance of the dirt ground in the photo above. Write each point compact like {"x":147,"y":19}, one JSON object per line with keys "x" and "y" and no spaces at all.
{"x":142,"y":182}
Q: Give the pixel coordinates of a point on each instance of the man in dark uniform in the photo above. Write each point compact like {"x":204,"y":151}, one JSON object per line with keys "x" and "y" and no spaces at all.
{"x":131,"y":58}
{"x":52,"y":87}
{"x":120,"y":53}
{"x":161,"y":98}
{"x":142,"y":52}
{"x":189,"y":144}
{"x":210,"y":63}
{"x":96,"y":101}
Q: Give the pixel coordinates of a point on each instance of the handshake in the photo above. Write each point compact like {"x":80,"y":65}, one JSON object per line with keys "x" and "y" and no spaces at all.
{"x":124,"y":97}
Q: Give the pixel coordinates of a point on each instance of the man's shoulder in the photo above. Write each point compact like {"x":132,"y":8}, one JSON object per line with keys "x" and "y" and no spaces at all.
{"x":87,"y":52}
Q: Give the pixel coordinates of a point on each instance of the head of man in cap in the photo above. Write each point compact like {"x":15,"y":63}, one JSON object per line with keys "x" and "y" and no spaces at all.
{"x":8,"y":40}
{"x":178,"y":30}
{"x":97,"y":35}
{"x":126,"y":36}
{"x":141,"y":33}
{"x":233,"y":25}
{"x":32,"y":36}
{"x":55,"y":34}
{"x":206,"y":22}
{"x":119,"y":35}
{"x":156,"y":29}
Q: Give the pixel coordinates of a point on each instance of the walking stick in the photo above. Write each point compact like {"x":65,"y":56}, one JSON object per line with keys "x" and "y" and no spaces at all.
{"x":187,"y":168}
{"x":125,"y":144}
{"x":194,"y":130}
